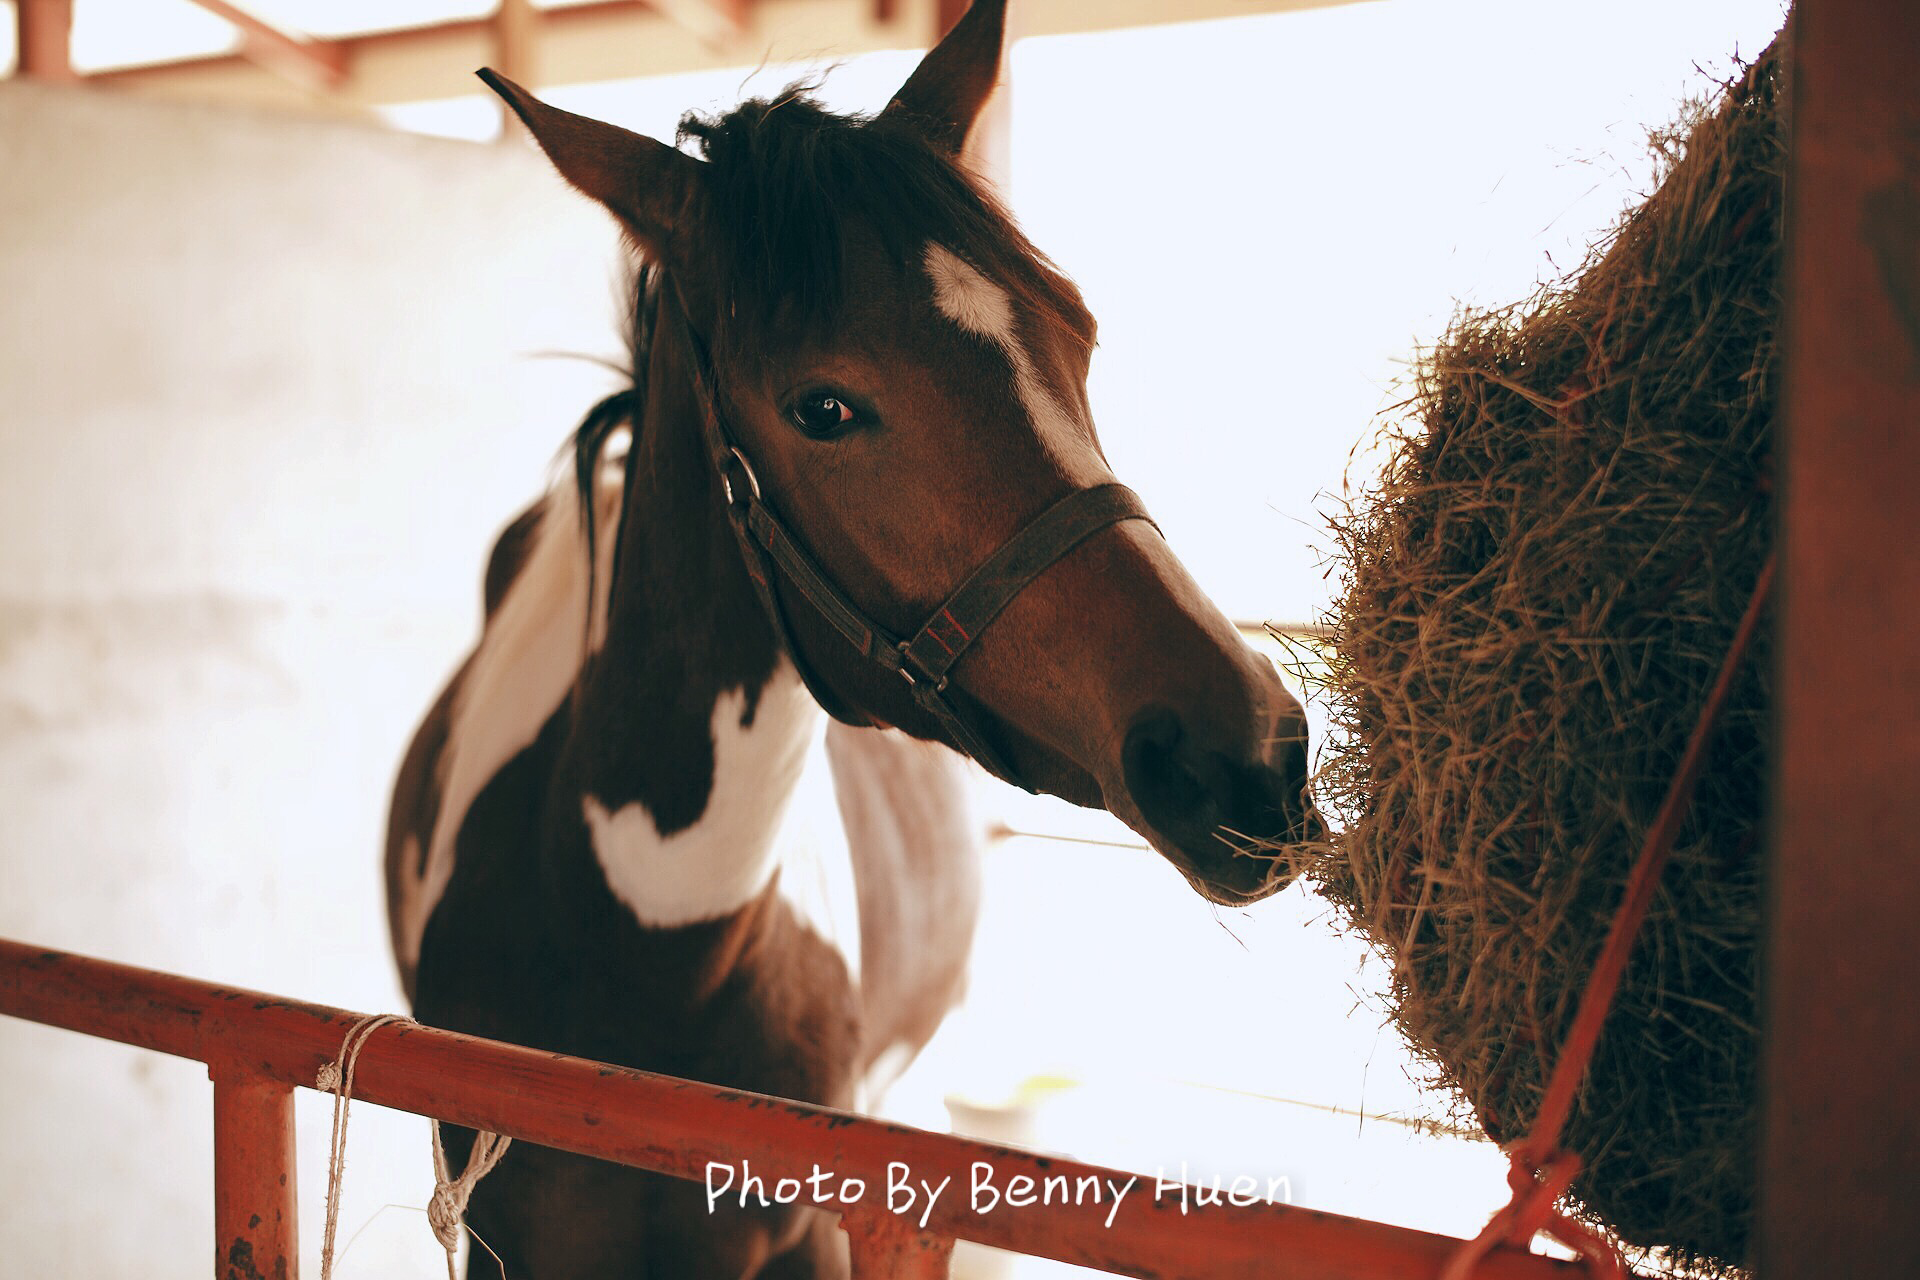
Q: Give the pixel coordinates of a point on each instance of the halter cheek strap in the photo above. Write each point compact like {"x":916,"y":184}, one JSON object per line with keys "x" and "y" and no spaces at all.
{"x":926,"y":659}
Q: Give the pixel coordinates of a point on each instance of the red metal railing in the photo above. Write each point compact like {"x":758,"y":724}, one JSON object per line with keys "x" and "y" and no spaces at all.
{"x":259,"y":1047}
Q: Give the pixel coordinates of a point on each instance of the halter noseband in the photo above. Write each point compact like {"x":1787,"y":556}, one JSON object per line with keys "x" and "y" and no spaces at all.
{"x":925,"y":659}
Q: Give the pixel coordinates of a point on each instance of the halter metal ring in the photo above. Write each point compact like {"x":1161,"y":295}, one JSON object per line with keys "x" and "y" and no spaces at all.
{"x":726,"y":476}
{"x":906,"y":672}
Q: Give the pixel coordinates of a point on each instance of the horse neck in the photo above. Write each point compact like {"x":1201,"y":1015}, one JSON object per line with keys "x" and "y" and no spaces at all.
{"x":690,"y":725}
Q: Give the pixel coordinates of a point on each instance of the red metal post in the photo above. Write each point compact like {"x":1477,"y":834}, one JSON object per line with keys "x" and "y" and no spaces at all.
{"x":254,"y":1223}
{"x":884,"y":1246}
{"x":1841,"y":1151}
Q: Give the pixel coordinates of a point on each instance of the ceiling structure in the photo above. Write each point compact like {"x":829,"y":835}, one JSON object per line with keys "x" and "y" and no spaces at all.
{"x":347,"y":57}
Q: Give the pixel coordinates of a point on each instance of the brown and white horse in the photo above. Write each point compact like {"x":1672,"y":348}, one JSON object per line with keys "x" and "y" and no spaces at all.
{"x":861,"y":474}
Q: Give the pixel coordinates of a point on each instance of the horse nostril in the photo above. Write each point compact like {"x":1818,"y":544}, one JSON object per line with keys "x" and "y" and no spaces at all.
{"x":1180,"y":785}
{"x":1161,"y":771}
{"x":1208,"y":811}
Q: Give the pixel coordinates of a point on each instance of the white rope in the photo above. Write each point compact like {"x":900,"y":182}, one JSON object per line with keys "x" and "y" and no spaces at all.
{"x":336,"y":1077}
{"x":448,"y":1207}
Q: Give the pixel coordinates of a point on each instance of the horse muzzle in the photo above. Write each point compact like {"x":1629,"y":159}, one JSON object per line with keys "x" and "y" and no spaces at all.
{"x":1219,"y":811}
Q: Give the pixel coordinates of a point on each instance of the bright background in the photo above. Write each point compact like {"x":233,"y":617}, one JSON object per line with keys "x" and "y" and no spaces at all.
{"x":272,"y":385}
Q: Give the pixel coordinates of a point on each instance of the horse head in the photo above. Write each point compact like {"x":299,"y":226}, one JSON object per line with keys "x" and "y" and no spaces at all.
{"x":894,"y":383}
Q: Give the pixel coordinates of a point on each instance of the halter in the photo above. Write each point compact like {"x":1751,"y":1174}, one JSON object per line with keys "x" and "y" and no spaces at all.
{"x":925,"y":659}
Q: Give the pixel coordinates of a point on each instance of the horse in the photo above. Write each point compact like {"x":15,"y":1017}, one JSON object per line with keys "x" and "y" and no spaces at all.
{"x":854,"y":483}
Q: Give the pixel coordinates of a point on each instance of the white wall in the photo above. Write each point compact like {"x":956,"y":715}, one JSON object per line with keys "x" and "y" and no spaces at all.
{"x":267,"y":388}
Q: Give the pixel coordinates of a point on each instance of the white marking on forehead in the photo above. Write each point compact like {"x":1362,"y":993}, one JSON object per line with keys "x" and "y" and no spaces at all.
{"x":969,"y":299}
{"x":982,"y":308}
{"x":724,"y":860}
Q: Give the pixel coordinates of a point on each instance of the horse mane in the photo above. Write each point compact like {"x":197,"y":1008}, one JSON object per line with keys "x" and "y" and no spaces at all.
{"x":622,"y":408}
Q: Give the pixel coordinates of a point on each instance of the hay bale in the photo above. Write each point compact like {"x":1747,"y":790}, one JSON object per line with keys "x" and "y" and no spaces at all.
{"x":1538,"y":595}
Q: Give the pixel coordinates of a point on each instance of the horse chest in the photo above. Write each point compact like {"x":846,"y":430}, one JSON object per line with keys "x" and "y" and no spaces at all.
{"x":725,"y":858}
{"x":824,"y":869}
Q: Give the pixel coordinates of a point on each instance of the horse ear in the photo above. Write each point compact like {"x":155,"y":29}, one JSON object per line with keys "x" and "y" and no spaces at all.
{"x":646,"y":184}
{"x":946,"y":91}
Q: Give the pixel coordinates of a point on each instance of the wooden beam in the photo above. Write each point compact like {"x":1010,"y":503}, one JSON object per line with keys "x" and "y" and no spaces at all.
{"x":615,"y":39}
{"x":318,"y":63}
{"x":515,"y":28}
{"x":945,"y":14}
{"x":44,"y":33}
{"x":409,"y":64}
{"x":1840,"y":1157}
{"x":719,"y":23}
{"x":989,"y":146}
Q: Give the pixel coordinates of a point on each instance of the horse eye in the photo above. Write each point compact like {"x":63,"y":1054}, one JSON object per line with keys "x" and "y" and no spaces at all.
{"x":820,"y":414}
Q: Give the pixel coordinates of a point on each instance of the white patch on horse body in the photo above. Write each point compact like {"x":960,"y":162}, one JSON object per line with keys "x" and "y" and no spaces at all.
{"x":528,"y":659}
{"x":888,"y":1066}
{"x":724,"y":860}
{"x":983,"y":308}
{"x":816,"y":860}
{"x":408,"y":885}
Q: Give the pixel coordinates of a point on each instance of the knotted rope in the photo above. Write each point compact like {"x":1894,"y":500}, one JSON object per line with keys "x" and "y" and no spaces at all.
{"x":447,"y":1209}
{"x":1539,"y":1172}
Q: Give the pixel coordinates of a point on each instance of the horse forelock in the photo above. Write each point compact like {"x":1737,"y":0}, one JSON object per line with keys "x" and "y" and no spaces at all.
{"x":787,"y":180}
